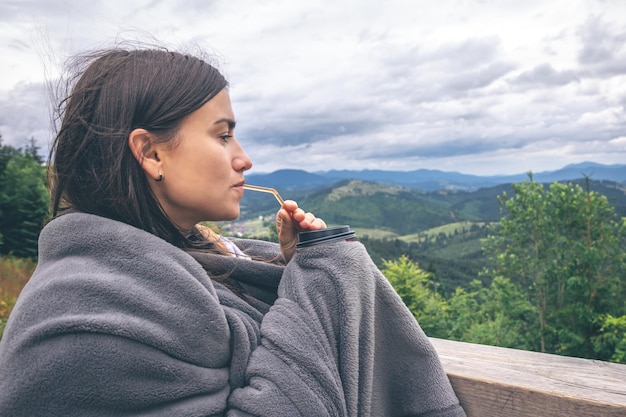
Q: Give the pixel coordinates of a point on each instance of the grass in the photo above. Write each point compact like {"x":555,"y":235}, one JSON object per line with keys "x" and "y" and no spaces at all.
{"x":14,"y":273}
{"x":374,"y":233}
{"x":446,"y":229}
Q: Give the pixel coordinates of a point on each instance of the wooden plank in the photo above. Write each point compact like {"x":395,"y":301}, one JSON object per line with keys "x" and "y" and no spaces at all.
{"x":495,"y":381}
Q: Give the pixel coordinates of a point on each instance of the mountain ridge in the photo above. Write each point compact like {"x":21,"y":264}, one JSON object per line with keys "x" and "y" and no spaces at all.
{"x":433,"y":180}
{"x":392,"y":219}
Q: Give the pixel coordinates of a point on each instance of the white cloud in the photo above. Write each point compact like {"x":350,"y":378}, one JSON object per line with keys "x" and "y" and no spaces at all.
{"x":25,"y":114}
{"x":475,"y":86}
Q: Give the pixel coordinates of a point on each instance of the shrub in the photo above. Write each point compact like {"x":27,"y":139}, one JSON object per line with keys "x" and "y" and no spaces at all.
{"x":14,"y":273}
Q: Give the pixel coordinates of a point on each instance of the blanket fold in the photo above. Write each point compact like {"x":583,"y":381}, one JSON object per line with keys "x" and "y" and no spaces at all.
{"x":346,"y":335}
{"x":117,"y":322}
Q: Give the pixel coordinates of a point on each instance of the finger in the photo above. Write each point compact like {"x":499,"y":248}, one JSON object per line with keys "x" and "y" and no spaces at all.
{"x":312,"y":223}
{"x":305,"y":220}
{"x":318,"y":224}
{"x":290,"y":205}
{"x":298,"y":215}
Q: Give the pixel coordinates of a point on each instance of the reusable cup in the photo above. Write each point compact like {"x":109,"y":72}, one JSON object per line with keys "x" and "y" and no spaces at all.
{"x":330,"y":234}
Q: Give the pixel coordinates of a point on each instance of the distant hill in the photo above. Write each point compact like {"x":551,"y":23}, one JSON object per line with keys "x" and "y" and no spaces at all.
{"x":288,"y":179}
{"x":400,"y":209}
{"x":406,"y":216}
{"x":433,"y":180}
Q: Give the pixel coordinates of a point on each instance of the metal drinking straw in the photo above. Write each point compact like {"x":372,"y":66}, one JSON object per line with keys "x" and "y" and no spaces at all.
{"x":265,"y":190}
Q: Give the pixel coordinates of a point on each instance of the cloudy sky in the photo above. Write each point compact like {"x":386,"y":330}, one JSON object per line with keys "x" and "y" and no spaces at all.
{"x":475,"y":86}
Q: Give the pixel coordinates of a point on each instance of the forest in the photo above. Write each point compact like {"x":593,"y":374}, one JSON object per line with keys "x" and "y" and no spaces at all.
{"x":528,"y":265}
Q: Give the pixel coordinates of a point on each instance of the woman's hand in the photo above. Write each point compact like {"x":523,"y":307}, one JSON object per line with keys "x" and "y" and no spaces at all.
{"x":291,"y":220}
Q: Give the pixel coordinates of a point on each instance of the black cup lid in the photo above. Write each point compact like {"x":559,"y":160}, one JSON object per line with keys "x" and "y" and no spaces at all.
{"x":314,"y":237}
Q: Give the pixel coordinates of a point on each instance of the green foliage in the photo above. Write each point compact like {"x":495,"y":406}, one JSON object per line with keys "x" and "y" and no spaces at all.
{"x":612,"y":340}
{"x":454,"y":259}
{"x":554,"y":282}
{"x":498,"y":315}
{"x":563,"y":245}
{"x":23,"y":200}
{"x":416,"y":288}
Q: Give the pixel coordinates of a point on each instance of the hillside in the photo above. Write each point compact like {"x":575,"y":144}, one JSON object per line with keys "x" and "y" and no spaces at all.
{"x":375,"y":206}
{"x":441,"y":230}
{"x":402,"y":210}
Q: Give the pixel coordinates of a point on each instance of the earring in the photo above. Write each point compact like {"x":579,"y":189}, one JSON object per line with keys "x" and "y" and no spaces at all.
{"x":160,"y":178}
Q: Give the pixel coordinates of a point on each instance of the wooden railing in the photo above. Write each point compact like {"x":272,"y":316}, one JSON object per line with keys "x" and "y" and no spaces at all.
{"x":498,"y":382}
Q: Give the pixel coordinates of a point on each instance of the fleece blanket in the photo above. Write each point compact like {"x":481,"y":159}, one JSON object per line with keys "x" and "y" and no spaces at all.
{"x":117,"y":322}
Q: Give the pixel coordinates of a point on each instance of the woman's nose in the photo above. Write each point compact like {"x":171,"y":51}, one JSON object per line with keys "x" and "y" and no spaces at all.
{"x":246,"y":162}
{"x":242,"y":161}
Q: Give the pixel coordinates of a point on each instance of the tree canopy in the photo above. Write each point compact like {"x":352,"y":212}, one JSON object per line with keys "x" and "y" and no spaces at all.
{"x":23,"y":199}
{"x":564,"y":245}
{"x":555,"y":280}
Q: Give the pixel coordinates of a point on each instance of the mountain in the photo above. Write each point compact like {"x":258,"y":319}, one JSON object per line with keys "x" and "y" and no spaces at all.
{"x":598,"y":172}
{"x":400,"y":209}
{"x":370,"y":205}
{"x":288,"y":179}
{"x":440,"y":229}
{"x":433,"y":180}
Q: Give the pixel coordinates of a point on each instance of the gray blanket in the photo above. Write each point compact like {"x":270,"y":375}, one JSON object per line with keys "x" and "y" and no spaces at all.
{"x":116,"y":322}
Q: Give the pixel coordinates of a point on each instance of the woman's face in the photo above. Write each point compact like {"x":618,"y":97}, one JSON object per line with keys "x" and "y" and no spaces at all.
{"x":203,"y":172}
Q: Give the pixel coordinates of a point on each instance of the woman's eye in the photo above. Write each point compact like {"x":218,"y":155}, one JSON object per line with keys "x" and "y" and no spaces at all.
{"x":225,"y":138}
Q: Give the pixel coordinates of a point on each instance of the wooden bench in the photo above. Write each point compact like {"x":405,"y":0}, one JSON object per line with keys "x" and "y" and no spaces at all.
{"x":498,"y":382}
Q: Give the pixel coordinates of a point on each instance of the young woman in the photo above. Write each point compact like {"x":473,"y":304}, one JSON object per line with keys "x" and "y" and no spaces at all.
{"x":135,"y":310}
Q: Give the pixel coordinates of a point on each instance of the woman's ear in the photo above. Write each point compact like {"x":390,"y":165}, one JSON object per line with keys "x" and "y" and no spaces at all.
{"x":143,"y":147}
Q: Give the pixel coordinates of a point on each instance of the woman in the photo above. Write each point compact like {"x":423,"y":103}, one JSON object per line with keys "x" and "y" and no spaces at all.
{"x":136,"y":310}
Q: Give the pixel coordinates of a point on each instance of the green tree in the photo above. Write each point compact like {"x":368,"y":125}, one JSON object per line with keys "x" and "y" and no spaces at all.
{"x":23,"y":201}
{"x":6,"y":154}
{"x":612,"y":341}
{"x":32,"y":151}
{"x":418,"y":291}
{"x":498,"y":315}
{"x":564,"y":245}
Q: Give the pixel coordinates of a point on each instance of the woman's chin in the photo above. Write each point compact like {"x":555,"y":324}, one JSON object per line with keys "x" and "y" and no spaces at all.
{"x":224,"y":215}
{"x":232,"y":216}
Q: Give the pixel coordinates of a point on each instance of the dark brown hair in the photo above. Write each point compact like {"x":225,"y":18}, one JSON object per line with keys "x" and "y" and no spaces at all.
{"x":112,"y":92}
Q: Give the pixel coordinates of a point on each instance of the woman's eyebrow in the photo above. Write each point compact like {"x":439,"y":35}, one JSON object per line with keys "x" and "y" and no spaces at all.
{"x":230,"y":122}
